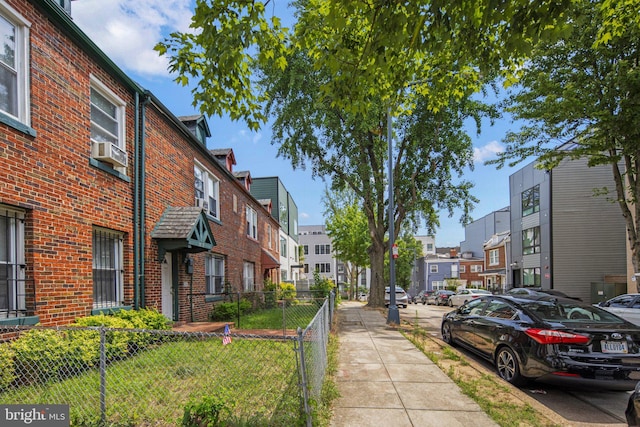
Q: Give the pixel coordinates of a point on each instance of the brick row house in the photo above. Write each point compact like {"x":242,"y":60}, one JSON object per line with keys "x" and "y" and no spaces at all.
{"x":107,"y":200}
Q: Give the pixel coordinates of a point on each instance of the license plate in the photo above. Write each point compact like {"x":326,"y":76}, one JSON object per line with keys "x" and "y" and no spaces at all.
{"x":614,"y":346}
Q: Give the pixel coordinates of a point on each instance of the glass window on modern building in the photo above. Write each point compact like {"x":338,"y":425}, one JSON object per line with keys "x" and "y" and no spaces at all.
{"x":531,"y":201}
{"x":531,"y":241}
{"x":531,"y":276}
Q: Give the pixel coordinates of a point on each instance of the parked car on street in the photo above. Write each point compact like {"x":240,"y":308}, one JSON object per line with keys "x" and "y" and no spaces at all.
{"x":633,"y":408}
{"x":421,"y":297}
{"x":464,"y":295}
{"x":523,"y":292}
{"x":439,"y":297}
{"x":536,"y":339}
{"x":402,"y":299}
{"x":626,"y":306}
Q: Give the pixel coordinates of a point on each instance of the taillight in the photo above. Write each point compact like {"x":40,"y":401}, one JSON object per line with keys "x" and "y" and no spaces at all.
{"x":550,"y":336}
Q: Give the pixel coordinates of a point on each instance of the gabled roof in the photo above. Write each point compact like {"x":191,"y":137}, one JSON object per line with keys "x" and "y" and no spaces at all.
{"x":183,"y":228}
{"x":223,"y":153}
{"x":497,"y":240}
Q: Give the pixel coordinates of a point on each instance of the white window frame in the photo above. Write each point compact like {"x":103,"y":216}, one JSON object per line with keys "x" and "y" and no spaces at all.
{"x":251,"y":222}
{"x":283,"y":246}
{"x":12,"y":261}
{"x":463,"y":268}
{"x":433,"y":268}
{"x":248,"y":276}
{"x":114,"y":239}
{"x":120,"y":116}
{"x":207,"y":187}
{"x":476,"y":268}
{"x":269,"y":236}
{"x":214,"y":274}
{"x":454,"y":271}
{"x":494,"y":256}
{"x":21,"y":65}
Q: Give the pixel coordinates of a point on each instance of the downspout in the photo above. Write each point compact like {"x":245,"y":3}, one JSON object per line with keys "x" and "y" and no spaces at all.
{"x":136,"y":204}
{"x":142,"y":195}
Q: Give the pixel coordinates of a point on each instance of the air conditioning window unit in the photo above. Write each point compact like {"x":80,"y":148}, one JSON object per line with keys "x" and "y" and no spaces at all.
{"x":109,"y":153}
{"x":202,"y":203}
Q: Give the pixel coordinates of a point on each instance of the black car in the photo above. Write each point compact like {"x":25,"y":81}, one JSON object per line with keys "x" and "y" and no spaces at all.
{"x":549,"y":339}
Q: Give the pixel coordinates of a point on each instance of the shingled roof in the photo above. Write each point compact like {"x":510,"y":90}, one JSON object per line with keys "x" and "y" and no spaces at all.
{"x":183,"y":228}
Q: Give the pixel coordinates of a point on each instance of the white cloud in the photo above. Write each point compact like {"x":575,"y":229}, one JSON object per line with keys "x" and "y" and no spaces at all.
{"x":304,"y":215}
{"x":128,"y":30}
{"x":486,"y":152}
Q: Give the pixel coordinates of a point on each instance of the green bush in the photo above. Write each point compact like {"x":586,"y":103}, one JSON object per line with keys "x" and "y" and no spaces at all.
{"x":229,"y":310}
{"x":145,"y":318}
{"x":117,"y":342}
{"x":7,"y":366}
{"x":287,"y":291}
{"x":207,"y":412}
{"x":39,"y":355}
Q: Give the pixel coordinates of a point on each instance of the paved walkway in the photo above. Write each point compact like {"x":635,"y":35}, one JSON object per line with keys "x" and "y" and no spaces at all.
{"x":384,"y":380}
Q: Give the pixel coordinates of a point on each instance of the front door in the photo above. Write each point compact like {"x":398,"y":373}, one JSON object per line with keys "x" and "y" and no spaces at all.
{"x":167,"y":286}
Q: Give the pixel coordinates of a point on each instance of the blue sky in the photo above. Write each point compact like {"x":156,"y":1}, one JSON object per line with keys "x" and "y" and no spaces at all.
{"x":127,"y":31}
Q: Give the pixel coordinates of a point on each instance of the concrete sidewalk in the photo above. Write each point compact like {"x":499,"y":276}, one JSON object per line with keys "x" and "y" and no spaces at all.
{"x":384,"y":380}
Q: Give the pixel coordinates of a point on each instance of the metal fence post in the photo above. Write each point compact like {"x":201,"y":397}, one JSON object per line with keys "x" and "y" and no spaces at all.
{"x":303,"y":372}
{"x":284,"y":317}
{"x":103,"y":375}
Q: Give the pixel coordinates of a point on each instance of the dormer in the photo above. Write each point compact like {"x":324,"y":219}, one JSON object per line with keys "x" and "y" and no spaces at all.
{"x":198,"y":126}
{"x":225,"y":156}
{"x":245,"y":178}
{"x":266,"y":203}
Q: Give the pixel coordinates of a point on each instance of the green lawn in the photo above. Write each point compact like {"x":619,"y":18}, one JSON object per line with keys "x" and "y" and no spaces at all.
{"x":294,"y":316}
{"x":257,"y":380}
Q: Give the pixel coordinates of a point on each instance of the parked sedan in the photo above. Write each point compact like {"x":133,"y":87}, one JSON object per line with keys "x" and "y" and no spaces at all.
{"x":466,"y":295}
{"x":439,"y":297}
{"x":402,"y":299}
{"x":626,"y":306}
{"x":535,"y":339}
{"x":421,"y":297}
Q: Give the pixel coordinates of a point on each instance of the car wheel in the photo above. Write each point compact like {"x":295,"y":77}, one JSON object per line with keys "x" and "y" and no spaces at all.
{"x":508,"y":367}
{"x":446,"y":333}
{"x":450,"y":303}
{"x":424,"y":302}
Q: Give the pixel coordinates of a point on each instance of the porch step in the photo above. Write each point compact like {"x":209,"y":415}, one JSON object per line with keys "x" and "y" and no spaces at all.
{"x":201,"y":326}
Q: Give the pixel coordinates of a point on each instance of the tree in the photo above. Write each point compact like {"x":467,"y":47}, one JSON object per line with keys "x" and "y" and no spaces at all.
{"x":346,"y":224}
{"x":409,"y":250}
{"x":347,"y":63}
{"x":586,"y":87}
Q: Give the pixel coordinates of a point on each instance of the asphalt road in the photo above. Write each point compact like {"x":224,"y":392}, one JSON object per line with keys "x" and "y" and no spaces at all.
{"x":580,"y":407}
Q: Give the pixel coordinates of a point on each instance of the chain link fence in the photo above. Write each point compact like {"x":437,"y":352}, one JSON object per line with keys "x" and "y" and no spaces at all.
{"x":138,"y":377}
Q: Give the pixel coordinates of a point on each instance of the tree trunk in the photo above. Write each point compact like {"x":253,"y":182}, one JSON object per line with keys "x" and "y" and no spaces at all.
{"x":376,"y":293}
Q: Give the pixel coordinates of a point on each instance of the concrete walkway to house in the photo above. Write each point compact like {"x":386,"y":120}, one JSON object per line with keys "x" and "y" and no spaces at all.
{"x":384,"y":380}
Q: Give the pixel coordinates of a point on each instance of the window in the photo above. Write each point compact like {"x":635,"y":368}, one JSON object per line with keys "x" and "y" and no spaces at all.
{"x":363,"y":280}
{"x":107,"y":268}
{"x":476,"y":268}
{"x":283,"y":275}
{"x":252,"y":222}
{"x":214,"y":274}
{"x":429,"y":247}
{"x":14,"y":65}
{"x":494,"y":257}
{"x":207,"y":189}
{"x":306,"y":249}
{"x":306,"y":268}
{"x":477,"y":284}
{"x":323,"y":249}
{"x":531,"y":201}
{"x":531,"y":276}
{"x":463,"y":269}
{"x":269,"y":239}
{"x":12,"y":281}
{"x":324,"y":267}
{"x":500,"y":309}
{"x":107,"y":126}
{"x":283,"y":246}
{"x":531,"y":241}
{"x":454,"y":271}
{"x":248,"y":281}
{"x":433,"y":268}
{"x":235,"y":203}
{"x":473,"y":307}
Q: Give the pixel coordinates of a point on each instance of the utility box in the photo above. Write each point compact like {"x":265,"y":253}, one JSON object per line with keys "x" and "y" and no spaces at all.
{"x":604,"y":291}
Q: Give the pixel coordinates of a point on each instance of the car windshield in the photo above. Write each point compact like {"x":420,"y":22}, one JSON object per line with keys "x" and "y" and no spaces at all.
{"x":563,"y":310}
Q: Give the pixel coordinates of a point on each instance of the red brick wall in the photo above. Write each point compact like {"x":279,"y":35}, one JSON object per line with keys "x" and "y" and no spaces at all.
{"x":49,"y":175}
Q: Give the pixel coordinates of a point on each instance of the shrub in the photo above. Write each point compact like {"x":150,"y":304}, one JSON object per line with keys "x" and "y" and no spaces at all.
{"x":145,"y":318}
{"x":229,"y":310}
{"x":117,"y":342}
{"x":208,"y":411}
{"x":7,"y":366}
{"x":39,"y":355}
{"x":287,"y":291}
